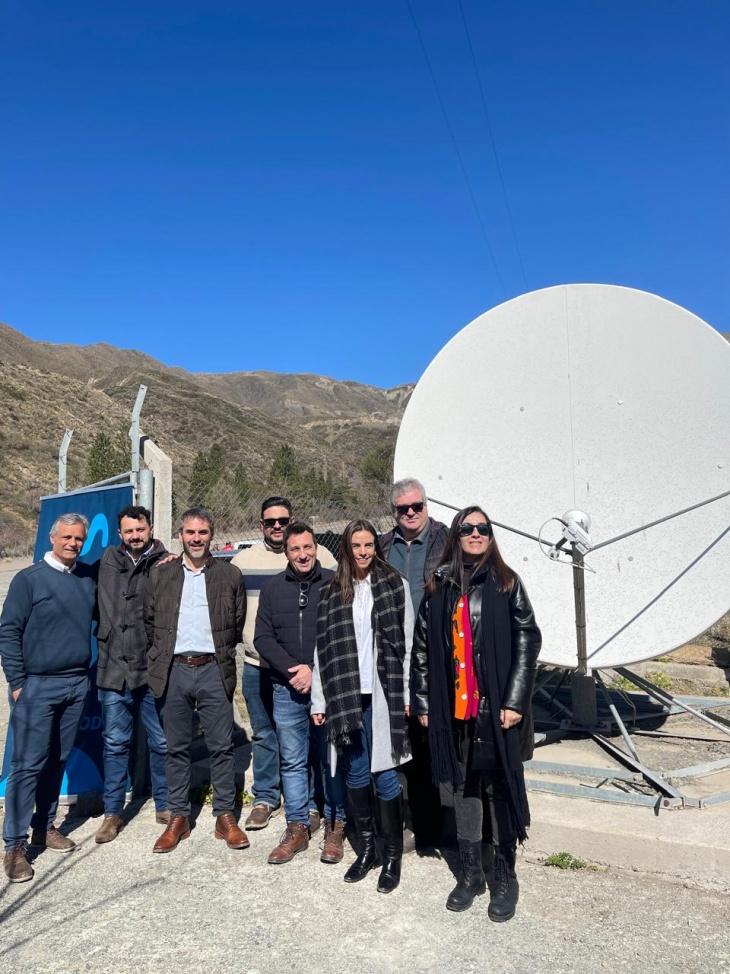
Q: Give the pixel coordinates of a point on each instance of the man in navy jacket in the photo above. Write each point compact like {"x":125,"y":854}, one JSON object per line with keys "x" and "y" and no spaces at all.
{"x":45,"y":646}
{"x":285,"y":638}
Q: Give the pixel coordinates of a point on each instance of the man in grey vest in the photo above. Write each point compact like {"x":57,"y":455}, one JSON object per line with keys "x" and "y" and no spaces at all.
{"x":415,"y":547}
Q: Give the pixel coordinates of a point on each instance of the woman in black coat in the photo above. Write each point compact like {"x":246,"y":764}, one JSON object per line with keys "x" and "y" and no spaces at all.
{"x":473,"y":672}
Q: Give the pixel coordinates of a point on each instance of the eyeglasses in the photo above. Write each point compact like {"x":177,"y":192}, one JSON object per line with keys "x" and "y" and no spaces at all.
{"x":271,"y":522}
{"x":402,"y":509}
{"x":466,"y":529}
{"x":303,"y":596}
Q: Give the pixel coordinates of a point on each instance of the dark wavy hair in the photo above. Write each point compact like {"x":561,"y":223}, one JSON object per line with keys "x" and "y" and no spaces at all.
{"x":502,"y":575}
{"x":344,"y":577}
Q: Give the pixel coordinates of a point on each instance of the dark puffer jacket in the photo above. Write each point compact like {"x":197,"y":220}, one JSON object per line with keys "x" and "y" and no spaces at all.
{"x":226,"y":593}
{"x":286,"y":633}
{"x":516,"y":664}
{"x":121,"y":635}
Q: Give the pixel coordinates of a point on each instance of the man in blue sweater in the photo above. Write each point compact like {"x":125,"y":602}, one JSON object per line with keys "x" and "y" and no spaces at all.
{"x":45,"y":646}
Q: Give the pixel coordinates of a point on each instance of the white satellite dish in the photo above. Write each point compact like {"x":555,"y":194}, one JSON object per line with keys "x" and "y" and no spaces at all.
{"x":596,"y":399}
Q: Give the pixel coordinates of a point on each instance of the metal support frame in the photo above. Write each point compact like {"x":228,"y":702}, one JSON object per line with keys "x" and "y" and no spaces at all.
{"x":665,"y":698}
{"x":620,"y":786}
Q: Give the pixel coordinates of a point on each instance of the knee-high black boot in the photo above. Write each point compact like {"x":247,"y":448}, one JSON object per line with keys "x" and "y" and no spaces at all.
{"x":472,"y":882}
{"x":391,"y":822}
{"x":361,"y":810}
{"x":505,"y":890}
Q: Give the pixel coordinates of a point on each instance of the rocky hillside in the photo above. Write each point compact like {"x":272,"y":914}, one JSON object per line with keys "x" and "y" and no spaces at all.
{"x":46,"y":388}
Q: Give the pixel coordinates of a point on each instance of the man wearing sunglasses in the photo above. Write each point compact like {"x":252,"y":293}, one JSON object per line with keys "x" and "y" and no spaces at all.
{"x":257,"y":564}
{"x":415,"y":547}
{"x":285,"y":638}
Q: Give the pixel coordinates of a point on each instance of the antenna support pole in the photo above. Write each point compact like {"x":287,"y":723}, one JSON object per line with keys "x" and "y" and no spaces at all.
{"x":582,"y":684}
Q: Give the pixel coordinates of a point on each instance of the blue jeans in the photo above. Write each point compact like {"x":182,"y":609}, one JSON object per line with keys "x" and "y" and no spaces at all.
{"x":357,"y":759}
{"x":43,"y":720}
{"x":258,"y":694}
{"x":291,"y":717}
{"x":334,"y":788}
{"x":299,"y":741}
{"x":118,"y":709}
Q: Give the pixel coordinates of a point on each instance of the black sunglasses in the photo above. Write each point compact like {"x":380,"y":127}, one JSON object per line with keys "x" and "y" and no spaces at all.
{"x":403,"y":509}
{"x":303,"y":597}
{"x":467,"y":529}
{"x":271,"y":522}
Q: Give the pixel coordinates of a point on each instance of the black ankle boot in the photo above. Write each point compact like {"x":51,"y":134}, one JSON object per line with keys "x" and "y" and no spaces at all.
{"x":361,"y":811}
{"x":391,"y":822}
{"x":472,"y":882}
{"x":506,"y":890}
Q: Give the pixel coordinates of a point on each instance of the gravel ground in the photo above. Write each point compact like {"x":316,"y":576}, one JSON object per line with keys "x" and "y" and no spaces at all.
{"x":205,"y":908}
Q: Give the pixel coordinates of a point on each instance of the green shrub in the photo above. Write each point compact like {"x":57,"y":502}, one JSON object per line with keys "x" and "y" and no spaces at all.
{"x":564,"y":860}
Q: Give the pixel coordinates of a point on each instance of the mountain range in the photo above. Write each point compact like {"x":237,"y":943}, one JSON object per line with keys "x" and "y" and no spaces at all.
{"x":46,"y":388}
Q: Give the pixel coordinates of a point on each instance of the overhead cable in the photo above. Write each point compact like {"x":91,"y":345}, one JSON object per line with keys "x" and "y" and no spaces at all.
{"x":494,"y":144}
{"x":456,"y":150}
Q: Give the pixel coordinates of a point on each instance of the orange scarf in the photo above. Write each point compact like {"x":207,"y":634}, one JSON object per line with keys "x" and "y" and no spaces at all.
{"x":466,"y":689}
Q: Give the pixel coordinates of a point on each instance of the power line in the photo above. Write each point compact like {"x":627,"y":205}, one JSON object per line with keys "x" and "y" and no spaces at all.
{"x":456,"y":149}
{"x":494,"y":144}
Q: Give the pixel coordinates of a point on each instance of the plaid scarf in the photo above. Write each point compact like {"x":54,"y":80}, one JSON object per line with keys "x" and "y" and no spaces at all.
{"x":339,"y":664}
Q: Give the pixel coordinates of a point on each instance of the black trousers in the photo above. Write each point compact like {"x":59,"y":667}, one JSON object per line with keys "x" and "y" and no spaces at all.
{"x":421,"y":798}
{"x":422,"y":809}
{"x":198,"y":688}
{"x":480,"y":789}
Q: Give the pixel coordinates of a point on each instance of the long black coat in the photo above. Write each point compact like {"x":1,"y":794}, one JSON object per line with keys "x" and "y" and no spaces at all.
{"x":516,"y":664}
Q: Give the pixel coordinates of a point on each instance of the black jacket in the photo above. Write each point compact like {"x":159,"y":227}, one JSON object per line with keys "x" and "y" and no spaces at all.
{"x":226,"y":593}
{"x":286,"y":634}
{"x":121,"y":634}
{"x":516,"y":672}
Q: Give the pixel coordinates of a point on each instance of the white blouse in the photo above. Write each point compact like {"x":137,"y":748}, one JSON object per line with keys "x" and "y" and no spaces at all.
{"x":362,"y":617}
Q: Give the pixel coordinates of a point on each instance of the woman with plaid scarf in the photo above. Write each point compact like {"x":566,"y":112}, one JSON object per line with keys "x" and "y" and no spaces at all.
{"x":360,"y":691}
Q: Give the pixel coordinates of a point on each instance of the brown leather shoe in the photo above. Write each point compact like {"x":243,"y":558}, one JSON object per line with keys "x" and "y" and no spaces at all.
{"x":315,"y":821}
{"x":17,"y":867}
{"x":109,"y":829}
{"x":178,"y":828}
{"x":226,"y":827}
{"x":259,"y":816}
{"x":332,"y":847}
{"x":294,"y":839}
{"x":54,"y":840}
{"x":162,"y":818}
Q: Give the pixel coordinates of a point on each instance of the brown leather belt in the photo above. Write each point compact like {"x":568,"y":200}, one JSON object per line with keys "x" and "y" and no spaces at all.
{"x":200,"y":660}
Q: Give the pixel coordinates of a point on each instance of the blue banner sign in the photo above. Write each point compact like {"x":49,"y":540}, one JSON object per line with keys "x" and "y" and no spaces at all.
{"x":84,"y":770}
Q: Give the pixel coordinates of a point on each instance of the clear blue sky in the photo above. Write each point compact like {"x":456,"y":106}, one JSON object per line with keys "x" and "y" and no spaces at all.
{"x":232,"y":185}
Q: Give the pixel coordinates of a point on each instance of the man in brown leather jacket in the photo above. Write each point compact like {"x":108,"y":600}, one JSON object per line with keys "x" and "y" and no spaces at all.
{"x":195,"y":608}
